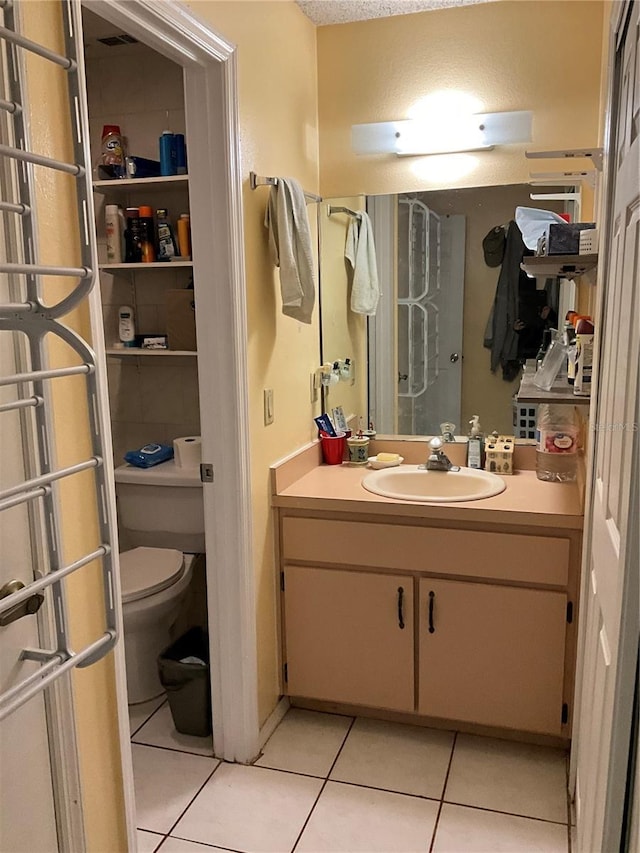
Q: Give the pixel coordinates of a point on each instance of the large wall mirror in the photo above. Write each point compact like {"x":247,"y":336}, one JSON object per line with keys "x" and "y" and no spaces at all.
{"x":422,"y":359}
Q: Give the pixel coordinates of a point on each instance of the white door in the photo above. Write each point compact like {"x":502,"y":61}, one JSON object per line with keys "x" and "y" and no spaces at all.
{"x":609,"y":614}
{"x":25,"y":772}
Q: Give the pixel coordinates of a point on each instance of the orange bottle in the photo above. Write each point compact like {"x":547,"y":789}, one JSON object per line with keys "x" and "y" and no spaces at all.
{"x":184,"y":235}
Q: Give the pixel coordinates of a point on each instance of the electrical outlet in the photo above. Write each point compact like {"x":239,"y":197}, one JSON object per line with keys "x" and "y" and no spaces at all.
{"x":268,"y":406}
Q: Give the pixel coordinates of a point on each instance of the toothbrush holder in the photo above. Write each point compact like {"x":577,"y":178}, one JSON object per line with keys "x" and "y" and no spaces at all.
{"x":358,"y":450}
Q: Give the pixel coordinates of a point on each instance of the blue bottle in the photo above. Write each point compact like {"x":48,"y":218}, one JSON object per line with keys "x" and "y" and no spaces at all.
{"x":167,"y":153}
{"x":181,"y":154}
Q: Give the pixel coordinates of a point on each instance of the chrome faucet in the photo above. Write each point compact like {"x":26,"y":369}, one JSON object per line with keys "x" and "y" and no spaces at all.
{"x":438,"y":460}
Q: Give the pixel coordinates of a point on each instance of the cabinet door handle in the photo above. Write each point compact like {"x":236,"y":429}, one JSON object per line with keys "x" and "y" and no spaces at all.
{"x":400,"y":607}
{"x":432,"y":598}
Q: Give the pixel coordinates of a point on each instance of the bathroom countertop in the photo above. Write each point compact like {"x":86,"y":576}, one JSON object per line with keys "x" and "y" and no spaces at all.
{"x":526,"y":500}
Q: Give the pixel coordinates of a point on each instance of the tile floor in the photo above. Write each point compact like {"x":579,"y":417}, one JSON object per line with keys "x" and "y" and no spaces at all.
{"x":332,"y":784}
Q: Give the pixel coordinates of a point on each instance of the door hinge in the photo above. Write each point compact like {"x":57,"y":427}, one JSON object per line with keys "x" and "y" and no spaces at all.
{"x":206,"y":472}
{"x":282,"y":581}
{"x":286,"y":672}
{"x":569,"y":612}
{"x":565,"y":713}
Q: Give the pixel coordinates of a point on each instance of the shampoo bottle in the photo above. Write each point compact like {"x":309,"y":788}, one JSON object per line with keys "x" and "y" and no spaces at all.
{"x":114,"y":226}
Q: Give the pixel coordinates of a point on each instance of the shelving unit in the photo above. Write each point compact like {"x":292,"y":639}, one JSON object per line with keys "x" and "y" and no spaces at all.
{"x":156,"y":265}
{"x":564,"y":266}
{"x":127,"y":352}
{"x":123,"y":185}
{"x":561,"y":392}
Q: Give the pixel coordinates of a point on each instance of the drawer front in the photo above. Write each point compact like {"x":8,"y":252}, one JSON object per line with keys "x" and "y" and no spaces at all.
{"x":467,"y":553}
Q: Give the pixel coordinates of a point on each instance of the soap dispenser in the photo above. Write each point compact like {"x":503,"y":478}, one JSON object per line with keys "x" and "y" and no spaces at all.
{"x":475,"y":444}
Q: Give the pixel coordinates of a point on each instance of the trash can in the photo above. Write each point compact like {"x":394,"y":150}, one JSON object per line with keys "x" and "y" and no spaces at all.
{"x":184,"y":673}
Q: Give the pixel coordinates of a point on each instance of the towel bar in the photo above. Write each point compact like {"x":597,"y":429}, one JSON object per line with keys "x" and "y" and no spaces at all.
{"x":256,"y":181}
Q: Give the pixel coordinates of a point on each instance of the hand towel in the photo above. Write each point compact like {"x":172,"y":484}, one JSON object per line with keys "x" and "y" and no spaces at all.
{"x":360,"y":251}
{"x":290,"y":240}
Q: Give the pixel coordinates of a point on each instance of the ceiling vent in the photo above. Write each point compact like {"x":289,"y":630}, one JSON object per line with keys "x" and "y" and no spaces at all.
{"x":112,"y":41}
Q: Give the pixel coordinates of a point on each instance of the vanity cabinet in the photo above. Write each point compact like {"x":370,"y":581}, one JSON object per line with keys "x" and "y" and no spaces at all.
{"x":491,"y":654}
{"x":481,"y":633}
{"x":350,"y":636}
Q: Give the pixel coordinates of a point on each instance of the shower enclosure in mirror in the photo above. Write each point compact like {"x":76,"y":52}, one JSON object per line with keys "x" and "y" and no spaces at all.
{"x":425,"y":361}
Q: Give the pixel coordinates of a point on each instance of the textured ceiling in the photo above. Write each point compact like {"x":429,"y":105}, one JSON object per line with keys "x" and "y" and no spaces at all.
{"x":343,"y":11}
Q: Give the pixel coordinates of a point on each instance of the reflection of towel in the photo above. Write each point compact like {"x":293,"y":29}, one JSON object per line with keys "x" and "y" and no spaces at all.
{"x":290,"y":240}
{"x":360,"y":251}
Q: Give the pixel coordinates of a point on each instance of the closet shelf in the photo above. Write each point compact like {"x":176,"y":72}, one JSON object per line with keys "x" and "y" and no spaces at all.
{"x":138,"y":351}
{"x":156,"y":265}
{"x":118,"y":185}
{"x":564,"y":266}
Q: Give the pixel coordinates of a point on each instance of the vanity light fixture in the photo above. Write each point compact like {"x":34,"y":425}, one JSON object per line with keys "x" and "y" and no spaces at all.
{"x":463,"y":132}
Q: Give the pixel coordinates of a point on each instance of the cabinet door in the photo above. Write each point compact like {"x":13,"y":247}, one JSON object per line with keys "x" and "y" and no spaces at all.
{"x":492,"y":655}
{"x":349,"y":637}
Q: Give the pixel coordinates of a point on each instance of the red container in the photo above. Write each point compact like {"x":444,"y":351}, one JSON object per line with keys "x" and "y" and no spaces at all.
{"x":333,"y":448}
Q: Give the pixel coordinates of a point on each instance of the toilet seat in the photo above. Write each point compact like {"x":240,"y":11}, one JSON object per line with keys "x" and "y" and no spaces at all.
{"x":145,"y":571}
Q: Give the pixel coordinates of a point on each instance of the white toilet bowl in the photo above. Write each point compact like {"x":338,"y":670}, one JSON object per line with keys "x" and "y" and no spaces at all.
{"x":154,"y":582}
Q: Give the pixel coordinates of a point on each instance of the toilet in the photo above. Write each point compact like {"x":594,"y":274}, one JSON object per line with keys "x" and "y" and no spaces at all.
{"x":161,"y":529}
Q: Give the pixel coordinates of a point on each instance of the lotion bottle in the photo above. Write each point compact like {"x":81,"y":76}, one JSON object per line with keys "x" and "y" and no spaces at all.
{"x":474,"y":447}
{"x":126,"y":326}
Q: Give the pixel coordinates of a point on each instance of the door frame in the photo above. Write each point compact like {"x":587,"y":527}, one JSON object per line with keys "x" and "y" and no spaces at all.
{"x":210,"y":74}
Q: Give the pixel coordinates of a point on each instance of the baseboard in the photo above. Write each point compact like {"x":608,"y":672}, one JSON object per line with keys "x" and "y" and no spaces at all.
{"x":272,"y":721}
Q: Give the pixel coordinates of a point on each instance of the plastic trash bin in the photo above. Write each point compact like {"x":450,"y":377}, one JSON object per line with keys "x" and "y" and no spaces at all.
{"x":184,"y":673}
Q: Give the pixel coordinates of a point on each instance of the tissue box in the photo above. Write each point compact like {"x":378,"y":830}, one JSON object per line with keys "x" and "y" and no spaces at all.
{"x":499,"y":454}
{"x":562,"y":238}
{"x":181,"y":320}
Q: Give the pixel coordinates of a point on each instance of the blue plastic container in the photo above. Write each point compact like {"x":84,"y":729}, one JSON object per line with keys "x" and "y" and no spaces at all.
{"x":167,"y":154}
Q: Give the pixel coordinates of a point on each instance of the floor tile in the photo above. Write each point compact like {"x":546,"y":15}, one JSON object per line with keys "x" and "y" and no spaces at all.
{"x":148,"y":841}
{"x":165,"y":784}
{"x":350,"y":819}
{"x":250,"y":809}
{"x":396,"y":757}
{"x":139,"y":714}
{"x":160,"y":731}
{"x":179,"y":845}
{"x":305,"y":742}
{"x":510,"y":777}
{"x":465,"y":830}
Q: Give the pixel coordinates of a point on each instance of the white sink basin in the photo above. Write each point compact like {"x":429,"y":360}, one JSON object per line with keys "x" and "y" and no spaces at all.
{"x":411,"y":483}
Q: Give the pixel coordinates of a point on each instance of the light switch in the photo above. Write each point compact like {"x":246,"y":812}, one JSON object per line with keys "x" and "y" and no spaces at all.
{"x":268,"y":406}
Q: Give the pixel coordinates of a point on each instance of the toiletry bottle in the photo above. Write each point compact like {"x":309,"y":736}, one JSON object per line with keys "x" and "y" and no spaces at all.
{"x":113,"y":153}
{"x":167,"y":247}
{"x":184,"y":235}
{"x":126,"y":326}
{"x":475,"y":443}
{"x":167,"y":153}
{"x":147,"y":234}
{"x":557,"y":443}
{"x":584,"y":358}
{"x":132,"y":241}
{"x":181,"y":154}
{"x":114,"y":227}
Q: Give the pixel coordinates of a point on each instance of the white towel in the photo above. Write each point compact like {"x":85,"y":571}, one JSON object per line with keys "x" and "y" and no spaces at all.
{"x":290,"y":240}
{"x":360,"y":251}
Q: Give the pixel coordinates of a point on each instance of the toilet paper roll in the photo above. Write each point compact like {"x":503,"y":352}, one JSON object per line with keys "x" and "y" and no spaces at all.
{"x":187,"y":451}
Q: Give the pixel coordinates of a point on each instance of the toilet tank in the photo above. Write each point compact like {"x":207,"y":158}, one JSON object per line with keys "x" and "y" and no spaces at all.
{"x":160,"y":507}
